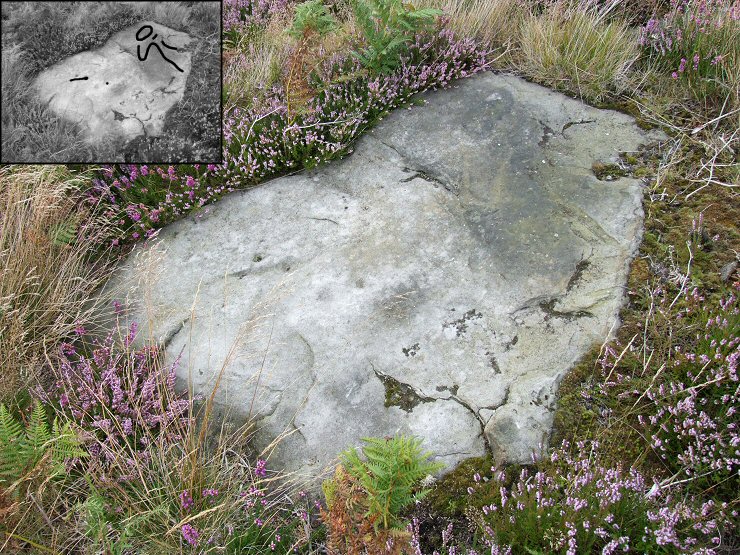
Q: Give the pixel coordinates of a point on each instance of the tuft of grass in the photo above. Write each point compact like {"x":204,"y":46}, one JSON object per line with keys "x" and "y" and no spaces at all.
{"x":493,"y":22}
{"x":45,"y":282}
{"x":172,"y":14}
{"x":573,"y":47}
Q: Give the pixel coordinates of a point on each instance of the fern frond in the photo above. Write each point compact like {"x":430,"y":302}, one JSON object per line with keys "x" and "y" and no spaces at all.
{"x":12,"y":442}
{"x":10,"y":429}
{"x":64,"y":233}
{"x":66,"y":445}
{"x":37,"y":431}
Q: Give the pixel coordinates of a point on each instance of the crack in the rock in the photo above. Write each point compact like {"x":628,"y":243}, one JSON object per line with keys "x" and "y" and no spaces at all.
{"x":273,"y":406}
{"x":300,"y":433}
{"x":572,"y":123}
{"x":143,"y":127}
{"x":419,"y":172}
{"x":323,"y":220}
{"x":577,"y":276}
{"x":311,"y":356}
{"x":118,"y":116}
{"x":173,"y":332}
{"x":406,"y":397}
{"x":502,"y":403}
{"x":548,"y":308}
{"x":546,"y":304}
{"x":548,"y":132}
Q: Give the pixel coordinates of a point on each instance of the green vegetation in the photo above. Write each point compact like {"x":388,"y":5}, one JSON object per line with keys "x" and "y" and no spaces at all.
{"x":366,"y":498}
{"x":387,"y":27}
{"x":392,"y":469}
{"x":21,"y":450}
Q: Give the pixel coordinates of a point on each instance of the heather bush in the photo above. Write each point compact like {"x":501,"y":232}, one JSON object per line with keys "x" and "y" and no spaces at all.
{"x":699,"y":42}
{"x":120,"y":396}
{"x":195,"y":497}
{"x":689,"y":407}
{"x":241,"y":16}
{"x":574,"y":504}
{"x":161,"y":477}
{"x":141,"y":199}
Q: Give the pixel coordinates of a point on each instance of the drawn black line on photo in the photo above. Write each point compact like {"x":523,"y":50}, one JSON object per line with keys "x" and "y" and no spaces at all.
{"x":146,"y":52}
{"x":79,"y":78}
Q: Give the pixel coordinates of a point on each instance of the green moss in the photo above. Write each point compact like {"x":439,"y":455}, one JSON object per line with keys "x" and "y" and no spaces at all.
{"x":642,"y":171}
{"x":401,"y":395}
{"x":607,"y":172}
{"x":450,"y":497}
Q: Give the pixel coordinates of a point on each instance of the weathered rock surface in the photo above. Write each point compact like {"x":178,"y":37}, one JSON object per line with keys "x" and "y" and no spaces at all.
{"x":111,"y":92}
{"x":439,"y":282}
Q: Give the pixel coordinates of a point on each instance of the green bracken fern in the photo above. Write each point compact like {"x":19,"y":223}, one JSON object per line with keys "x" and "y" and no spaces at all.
{"x":392,"y":470}
{"x":387,"y":27}
{"x":22,"y":449}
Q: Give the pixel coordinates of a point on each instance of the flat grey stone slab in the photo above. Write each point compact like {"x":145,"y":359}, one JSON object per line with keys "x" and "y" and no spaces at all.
{"x":439,"y":282}
{"x":111,"y":92}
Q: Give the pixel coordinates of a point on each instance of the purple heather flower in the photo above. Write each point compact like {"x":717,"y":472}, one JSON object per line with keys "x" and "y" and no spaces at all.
{"x":186,"y":500}
{"x":260,"y":468}
{"x":190,"y":534}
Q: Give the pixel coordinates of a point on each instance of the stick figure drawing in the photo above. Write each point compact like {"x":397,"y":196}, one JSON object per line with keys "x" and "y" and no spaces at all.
{"x":148,"y":46}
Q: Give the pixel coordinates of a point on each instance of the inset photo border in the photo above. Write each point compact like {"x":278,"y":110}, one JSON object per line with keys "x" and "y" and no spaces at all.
{"x":111,"y":82}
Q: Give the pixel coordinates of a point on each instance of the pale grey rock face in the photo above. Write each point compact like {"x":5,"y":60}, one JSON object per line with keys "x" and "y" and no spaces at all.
{"x":111,"y":92}
{"x":438,"y":282}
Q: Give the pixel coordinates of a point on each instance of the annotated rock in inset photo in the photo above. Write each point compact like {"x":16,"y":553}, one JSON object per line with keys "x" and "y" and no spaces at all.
{"x":438,"y":282}
{"x":123,"y":89}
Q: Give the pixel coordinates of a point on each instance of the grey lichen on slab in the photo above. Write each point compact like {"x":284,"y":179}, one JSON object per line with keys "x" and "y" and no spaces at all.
{"x":440,"y":281}
{"x":111,"y":93}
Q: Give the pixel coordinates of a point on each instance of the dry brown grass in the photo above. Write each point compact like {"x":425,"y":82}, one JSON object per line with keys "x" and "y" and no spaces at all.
{"x":495,"y":22}
{"x":46,"y":272}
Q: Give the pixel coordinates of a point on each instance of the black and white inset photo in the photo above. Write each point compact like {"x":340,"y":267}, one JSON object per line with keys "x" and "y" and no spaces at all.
{"x":111,"y":82}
